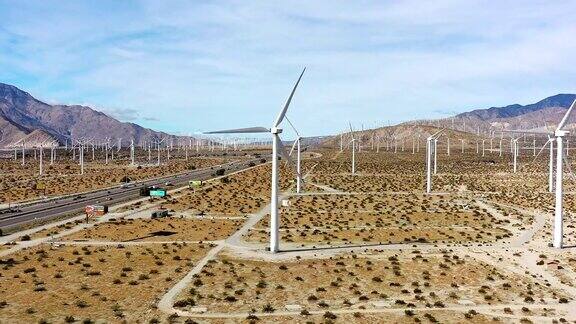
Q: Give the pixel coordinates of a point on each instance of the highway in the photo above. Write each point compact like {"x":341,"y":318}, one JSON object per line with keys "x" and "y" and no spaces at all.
{"x":111,"y":196}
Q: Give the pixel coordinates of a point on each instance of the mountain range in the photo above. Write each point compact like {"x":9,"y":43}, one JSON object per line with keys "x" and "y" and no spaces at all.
{"x":537,"y":116}
{"x":25,"y":118}
{"x":495,"y":113}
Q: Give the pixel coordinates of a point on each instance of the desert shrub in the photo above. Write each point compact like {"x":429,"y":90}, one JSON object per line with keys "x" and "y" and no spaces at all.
{"x":81,"y":303}
{"x":185,"y":302}
{"x":268,"y":308}
{"x":230,"y":299}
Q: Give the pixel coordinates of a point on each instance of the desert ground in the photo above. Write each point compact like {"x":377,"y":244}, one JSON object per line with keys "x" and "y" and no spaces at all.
{"x":371,"y":247}
{"x":62,"y":176}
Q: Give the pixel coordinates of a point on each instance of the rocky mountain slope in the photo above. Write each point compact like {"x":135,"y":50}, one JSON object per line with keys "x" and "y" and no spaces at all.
{"x":543,"y":115}
{"x":21,"y":115}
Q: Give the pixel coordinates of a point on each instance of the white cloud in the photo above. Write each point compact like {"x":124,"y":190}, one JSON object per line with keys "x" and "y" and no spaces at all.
{"x":189,"y":65}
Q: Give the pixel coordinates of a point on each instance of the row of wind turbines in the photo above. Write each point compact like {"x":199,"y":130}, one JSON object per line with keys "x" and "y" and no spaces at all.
{"x":109,"y":147}
{"x":278,"y":150}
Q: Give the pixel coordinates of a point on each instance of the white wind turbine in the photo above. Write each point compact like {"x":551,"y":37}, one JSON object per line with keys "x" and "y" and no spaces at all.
{"x":551,"y":166}
{"x":158,"y":141}
{"x":296,"y":145}
{"x":106,"y":147}
{"x":550,"y":142}
{"x":41,"y":156}
{"x":132,"y":151}
{"x":515,"y":152}
{"x":558,"y":208}
{"x":431,"y":143}
{"x":277,"y":150}
{"x":23,"y":146}
{"x":81,"y":144}
{"x":353,"y":141}
{"x":53,"y":145}
{"x":559,"y":133}
{"x":436,"y":155}
{"x":500,"y":144}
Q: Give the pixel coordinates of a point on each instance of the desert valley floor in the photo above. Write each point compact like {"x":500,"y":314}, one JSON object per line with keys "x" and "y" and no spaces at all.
{"x":360,"y":248}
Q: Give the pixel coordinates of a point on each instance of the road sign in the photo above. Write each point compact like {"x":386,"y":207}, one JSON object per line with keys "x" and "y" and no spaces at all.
{"x":195,"y":183}
{"x":285,"y":203}
{"x":158,"y":193}
{"x":89,"y":210}
{"x":40,"y":185}
{"x":95,"y":210}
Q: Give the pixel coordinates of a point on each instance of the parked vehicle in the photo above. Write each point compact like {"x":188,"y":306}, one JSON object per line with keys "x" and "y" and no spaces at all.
{"x":159,"y":214}
{"x":145,"y":191}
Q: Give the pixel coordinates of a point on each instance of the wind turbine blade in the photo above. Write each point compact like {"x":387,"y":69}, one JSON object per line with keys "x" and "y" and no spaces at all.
{"x":541,"y":149}
{"x":282,"y":151}
{"x":567,"y":163}
{"x":283,"y":111}
{"x":437,"y":133}
{"x":241,"y":131}
{"x":565,"y":118}
{"x":351,"y":131}
{"x":293,"y":146}
{"x":292,"y":125}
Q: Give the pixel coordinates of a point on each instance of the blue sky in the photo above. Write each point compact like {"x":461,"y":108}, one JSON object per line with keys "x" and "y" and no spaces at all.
{"x":192,"y":66}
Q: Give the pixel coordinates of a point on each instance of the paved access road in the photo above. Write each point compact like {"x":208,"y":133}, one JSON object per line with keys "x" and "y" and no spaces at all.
{"x":110,"y":196}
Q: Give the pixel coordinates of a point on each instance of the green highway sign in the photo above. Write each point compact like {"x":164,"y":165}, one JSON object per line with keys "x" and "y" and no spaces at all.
{"x":157,"y":192}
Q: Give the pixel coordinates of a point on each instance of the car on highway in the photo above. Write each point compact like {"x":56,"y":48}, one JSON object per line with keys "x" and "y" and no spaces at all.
{"x":10,"y":210}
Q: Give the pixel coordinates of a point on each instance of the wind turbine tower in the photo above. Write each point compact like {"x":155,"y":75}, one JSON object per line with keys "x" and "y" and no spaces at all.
{"x":277,"y":149}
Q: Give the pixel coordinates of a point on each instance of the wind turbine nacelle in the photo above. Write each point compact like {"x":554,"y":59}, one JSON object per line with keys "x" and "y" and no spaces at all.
{"x":560,"y":133}
{"x":275,"y":130}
